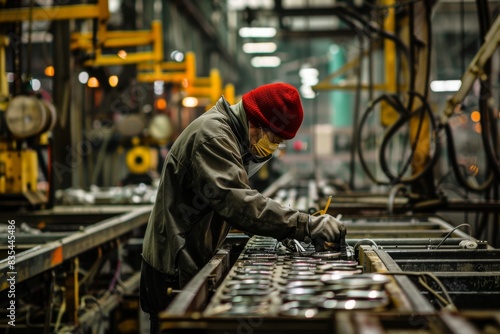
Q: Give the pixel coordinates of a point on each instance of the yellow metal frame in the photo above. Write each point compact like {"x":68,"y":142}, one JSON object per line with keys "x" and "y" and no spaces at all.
{"x":66,"y":12}
{"x":210,"y":87}
{"x":185,"y":73}
{"x":117,"y":39}
{"x":388,"y":115}
{"x":4,"y":86}
{"x":174,"y":72}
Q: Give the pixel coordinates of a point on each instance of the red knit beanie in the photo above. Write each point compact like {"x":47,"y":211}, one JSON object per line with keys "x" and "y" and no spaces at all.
{"x":275,"y":106}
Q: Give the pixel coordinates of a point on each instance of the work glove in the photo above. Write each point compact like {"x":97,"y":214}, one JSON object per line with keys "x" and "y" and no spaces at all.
{"x":326,"y":232}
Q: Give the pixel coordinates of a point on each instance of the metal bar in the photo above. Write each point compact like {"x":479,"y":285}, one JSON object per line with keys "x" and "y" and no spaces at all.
{"x":70,"y":12}
{"x":458,"y":324}
{"x":72,"y":292}
{"x":114,"y":59}
{"x":196,"y":292}
{"x":424,"y":242}
{"x":25,"y":239}
{"x":278,"y":184}
{"x":482,"y":254}
{"x":396,"y":234}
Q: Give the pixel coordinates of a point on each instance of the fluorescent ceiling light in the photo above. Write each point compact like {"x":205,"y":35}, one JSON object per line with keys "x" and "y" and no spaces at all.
{"x":270,"y":61}
{"x":445,"y":85}
{"x":253,"y":4}
{"x":269,"y":47}
{"x":257,"y":32}
{"x":308,"y":72}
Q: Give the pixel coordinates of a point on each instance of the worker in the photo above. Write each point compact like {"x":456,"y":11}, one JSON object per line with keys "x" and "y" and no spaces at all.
{"x":204,"y":190}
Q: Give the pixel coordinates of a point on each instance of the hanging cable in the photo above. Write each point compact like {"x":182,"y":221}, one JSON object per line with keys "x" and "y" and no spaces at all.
{"x":405,"y":114}
{"x":451,"y":232}
{"x":357,"y":107}
{"x":447,"y":301}
{"x":404,"y":117}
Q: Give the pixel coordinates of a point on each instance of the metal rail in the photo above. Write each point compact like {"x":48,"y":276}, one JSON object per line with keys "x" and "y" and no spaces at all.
{"x":44,"y":257}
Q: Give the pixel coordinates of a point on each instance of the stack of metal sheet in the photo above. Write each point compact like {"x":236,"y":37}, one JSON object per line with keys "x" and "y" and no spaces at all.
{"x":269,"y":280}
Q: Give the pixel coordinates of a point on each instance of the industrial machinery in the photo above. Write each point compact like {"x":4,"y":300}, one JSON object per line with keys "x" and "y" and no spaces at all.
{"x":266,"y":287}
{"x":27,"y":121}
{"x":74,"y":270}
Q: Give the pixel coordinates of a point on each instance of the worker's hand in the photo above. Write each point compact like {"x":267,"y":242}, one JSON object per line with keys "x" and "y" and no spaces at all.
{"x":326,"y":232}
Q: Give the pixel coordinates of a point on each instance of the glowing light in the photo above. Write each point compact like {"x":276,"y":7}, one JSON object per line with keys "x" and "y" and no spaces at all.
{"x":445,"y":85}
{"x":161,"y":104}
{"x":177,"y":56}
{"x":309,"y":81}
{"x":93,"y":82}
{"x":299,"y":145}
{"x":475,"y":116}
{"x":49,"y":71}
{"x":35,"y":84}
{"x":307,"y":92}
{"x":269,"y":47}
{"x":113,"y":80}
{"x":308,"y":78}
{"x":477,"y":127}
{"x":158,"y":87}
{"x":271,"y":61}
{"x":257,"y":32}
{"x":122,"y":54}
{"x":83,"y":77}
{"x":350,"y":304}
{"x":474,"y":169}
{"x":308,"y":71}
{"x":373,"y":294}
{"x":310,"y":313}
{"x":190,"y":102}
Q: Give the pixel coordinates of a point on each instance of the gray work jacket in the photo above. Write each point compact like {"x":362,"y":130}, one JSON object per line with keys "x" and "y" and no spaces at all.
{"x":204,"y":189}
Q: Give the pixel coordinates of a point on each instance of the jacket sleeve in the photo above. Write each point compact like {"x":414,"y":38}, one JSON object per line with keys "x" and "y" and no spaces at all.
{"x":220,"y":176}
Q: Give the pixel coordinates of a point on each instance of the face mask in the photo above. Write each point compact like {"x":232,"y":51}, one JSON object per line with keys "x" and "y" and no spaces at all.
{"x":264,"y":146}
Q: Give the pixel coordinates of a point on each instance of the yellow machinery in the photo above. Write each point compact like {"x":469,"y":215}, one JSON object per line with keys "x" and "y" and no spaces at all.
{"x":27,"y":119}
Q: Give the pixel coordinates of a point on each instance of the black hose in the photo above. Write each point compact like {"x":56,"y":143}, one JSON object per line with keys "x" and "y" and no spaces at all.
{"x":402,"y":120}
{"x":368,"y":28}
{"x":357,"y":106}
{"x":396,"y":105}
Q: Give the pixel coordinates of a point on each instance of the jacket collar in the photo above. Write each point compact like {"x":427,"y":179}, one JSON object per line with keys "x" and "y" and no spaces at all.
{"x":237,"y":120}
